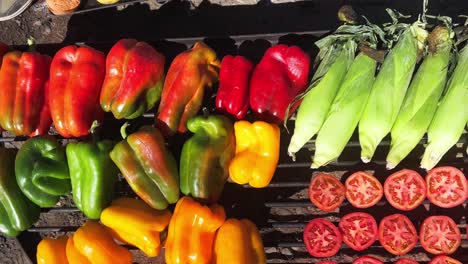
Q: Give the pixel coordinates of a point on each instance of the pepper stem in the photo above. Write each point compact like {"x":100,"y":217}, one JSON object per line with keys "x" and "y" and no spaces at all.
{"x":123,"y":130}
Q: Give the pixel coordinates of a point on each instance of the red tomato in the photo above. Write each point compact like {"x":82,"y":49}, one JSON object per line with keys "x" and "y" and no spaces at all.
{"x":363,"y":190}
{"x":322,"y":238}
{"x":397,"y":234}
{"x":406,"y":261}
{"x":326,"y":192}
{"x":439,"y":234}
{"x":359,"y":230}
{"x":367,"y":260}
{"x":405,"y":189}
{"x":327,"y":262}
{"x":446,"y":187}
{"x":444,"y":260}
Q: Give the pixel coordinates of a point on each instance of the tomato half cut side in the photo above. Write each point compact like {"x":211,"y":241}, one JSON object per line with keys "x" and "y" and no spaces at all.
{"x":363,"y":190}
{"x":439,"y":234}
{"x":367,"y":260}
{"x":397,"y":234}
{"x":326,"y":192}
{"x":359,"y":230}
{"x":444,"y":260}
{"x":322,"y":238}
{"x":446,"y":187}
{"x":406,"y":261}
{"x":405,"y":189}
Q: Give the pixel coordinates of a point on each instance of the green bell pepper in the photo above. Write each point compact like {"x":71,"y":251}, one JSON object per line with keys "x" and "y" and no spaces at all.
{"x":93,"y":175}
{"x":17,"y":213}
{"x":42,"y":171}
{"x":206,"y":156}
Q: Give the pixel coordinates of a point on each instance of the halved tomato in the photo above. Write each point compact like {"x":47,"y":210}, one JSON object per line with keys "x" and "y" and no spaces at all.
{"x":322,"y":238}
{"x":405,"y":190}
{"x":326,"y":192}
{"x":446,"y":186}
{"x":439,"y":234}
{"x":359,"y":230}
{"x":363,"y":190}
{"x":367,"y":260}
{"x":444,"y":260}
{"x":397,"y":234}
{"x":406,"y":261}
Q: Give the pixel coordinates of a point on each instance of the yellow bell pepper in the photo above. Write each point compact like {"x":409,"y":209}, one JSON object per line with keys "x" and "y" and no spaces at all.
{"x":134,"y":222}
{"x":52,"y":251}
{"x":257,"y":153}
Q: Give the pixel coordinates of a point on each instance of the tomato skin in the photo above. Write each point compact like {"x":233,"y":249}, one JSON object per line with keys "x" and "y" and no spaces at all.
{"x":331,"y":185}
{"x":406,"y":261}
{"x":367,"y":260}
{"x":444,"y":260}
{"x":405,"y":227}
{"x":364,"y":238}
{"x":405,"y":183}
{"x":327,"y":231}
{"x":454,"y":185}
{"x":434,"y":225}
{"x":354,"y":193}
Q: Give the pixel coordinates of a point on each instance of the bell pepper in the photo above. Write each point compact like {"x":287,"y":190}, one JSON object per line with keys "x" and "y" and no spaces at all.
{"x":93,"y":244}
{"x":92,"y":174}
{"x":281,"y":75}
{"x":233,"y":91}
{"x":192,"y":231}
{"x":134,"y":222}
{"x":134,"y":79}
{"x":206,"y":156}
{"x":148,"y":166}
{"x":189,"y":75}
{"x":257,"y":153}
{"x":76,"y":76}
{"x":23,"y":83}
{"x":238,"y":241}
{"x":17,"y":213}
{"x":52,"y":251}
{"x":42,"y":171}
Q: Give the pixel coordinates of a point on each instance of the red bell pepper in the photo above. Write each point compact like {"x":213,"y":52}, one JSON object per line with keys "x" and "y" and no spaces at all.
{"x":23,"y":105}
{"x":134,"y":79}
{"x":281,"y":75}
{"x":76,"y":77}
{"x":233,"y":92}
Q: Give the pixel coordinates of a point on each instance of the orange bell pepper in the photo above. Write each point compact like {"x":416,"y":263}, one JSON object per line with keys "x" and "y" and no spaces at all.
{"x":238,"y":241}
{"x":52,"y":251}
{"x":257,"y":153}
{"x":134,"y":222}
{"x":192,"y":231}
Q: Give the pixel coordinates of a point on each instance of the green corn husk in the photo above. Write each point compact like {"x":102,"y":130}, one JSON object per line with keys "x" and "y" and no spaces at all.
{"x":421,"y":100}
{"x":451,"y":116}
{"x":345,"y":111}
{"x":389,"y":89}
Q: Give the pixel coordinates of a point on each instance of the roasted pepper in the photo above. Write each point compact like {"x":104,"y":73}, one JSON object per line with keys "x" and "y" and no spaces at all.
{"x":93,"y":175}
{"x":17,"y":213}
{"x":192,"y":231}
{"x":189,"y":75}
{"x":134,"y":222}
{"x":148,"y":166}
{"x":257,"y":153}
{"x":233,"y":91}
{"x":206,"y":156}
{"x":76,"y":76}
{"x":238,"y":241}
{"x":23,"y":84}
{"x":134,"y":79}
{"x":281,"y":75}
{"x":93,"y":244}
{"x":52,"y":251}
{"x":42,"y":171}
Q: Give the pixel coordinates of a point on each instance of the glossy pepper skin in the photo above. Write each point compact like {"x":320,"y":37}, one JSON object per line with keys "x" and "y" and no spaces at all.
{"x":17,"y":213}
{"x":134,"y":79}
{"x":238,"y":241}
{"x":93,"y":175}
{"x":281,"y":75}
{"x":52,"y":251}
{"x":93,"y":244}
{"x":192,"y":231}
{"x":134,"y":222}
{"x":149,"y":167}
{"x":42,"y":171}
{"x":189,"y":75}
{"x":76,"y":76}
{"x":206,"y":156}
{"x":23,"y":84}
{"x":257,"y":153}
{"x":233,"y":91}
